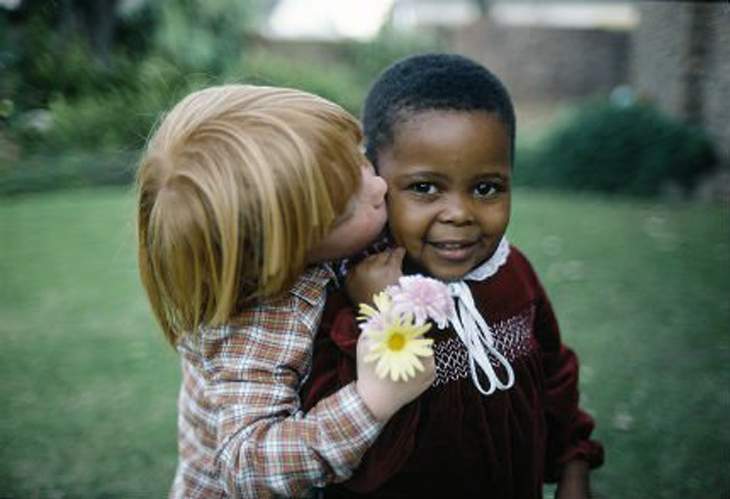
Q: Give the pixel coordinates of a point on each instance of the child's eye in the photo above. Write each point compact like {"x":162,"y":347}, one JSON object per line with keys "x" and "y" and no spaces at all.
{"x":486,"y":189}
{"x":423,"y":188}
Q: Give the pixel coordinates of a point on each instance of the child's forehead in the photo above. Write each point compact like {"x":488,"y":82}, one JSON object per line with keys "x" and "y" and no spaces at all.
{"x":418,"y":120}
{"x":462,"y":143}
{"x":429,"y":127}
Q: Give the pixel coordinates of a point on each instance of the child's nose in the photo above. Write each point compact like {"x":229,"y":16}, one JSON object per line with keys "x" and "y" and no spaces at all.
{"x":456,"y":210}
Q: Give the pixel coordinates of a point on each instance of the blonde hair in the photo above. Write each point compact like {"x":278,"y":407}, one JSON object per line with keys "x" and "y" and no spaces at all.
{"x":235,"y":188}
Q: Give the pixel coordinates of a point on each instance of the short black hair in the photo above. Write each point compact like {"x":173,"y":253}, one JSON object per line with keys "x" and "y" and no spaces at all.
{"x":440,"y":82}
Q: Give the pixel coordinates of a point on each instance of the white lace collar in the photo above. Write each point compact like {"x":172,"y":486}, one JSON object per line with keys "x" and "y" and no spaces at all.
{"x":474,"y":331}
{"x":492,"y":265}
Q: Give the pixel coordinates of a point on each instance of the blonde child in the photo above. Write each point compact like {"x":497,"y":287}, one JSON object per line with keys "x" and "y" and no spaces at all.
{"x":244,"y":193}
{"x":502,"y":415}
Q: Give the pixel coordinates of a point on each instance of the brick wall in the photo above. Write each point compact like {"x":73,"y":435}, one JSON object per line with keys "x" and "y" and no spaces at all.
{"x":680,"y":61}
{"x":660,"y":53}
{"x":542,"y":64}
{"x":716,"y":112}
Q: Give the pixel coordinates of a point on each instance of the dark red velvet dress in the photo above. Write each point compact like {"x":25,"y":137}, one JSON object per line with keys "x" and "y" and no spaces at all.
{"x":453,"y":441}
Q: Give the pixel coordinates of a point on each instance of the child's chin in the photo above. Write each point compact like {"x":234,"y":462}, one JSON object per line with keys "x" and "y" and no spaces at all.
{"x":411,"y":266}
{"x":448,"y":276}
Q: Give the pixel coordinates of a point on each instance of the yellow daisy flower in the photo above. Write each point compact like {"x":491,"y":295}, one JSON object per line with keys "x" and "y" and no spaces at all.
{"x":383,"y":305}
{"x":396,"y":343}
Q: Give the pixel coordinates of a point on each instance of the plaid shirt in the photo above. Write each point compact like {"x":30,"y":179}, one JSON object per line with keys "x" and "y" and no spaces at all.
{"x":241,"y":431}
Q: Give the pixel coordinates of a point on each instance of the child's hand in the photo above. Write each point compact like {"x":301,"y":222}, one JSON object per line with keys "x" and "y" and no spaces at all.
{"x":374,"y":274}
{"x":383,"y":396}
{"x":574,"y":482}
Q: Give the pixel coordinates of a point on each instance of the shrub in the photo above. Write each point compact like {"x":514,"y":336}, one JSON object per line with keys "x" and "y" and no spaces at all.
{"x":631,"y":150}
{"x":47,"y":171}
{"x":335,"y":82}
{"x":120,"y":119}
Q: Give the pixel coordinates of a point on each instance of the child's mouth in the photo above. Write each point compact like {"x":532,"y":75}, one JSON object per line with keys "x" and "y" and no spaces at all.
{"x":454,"y":250}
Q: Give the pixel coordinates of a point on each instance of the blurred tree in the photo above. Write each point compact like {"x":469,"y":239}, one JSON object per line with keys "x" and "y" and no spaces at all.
{"x":90,"y":74}
{"x":66,"y":47}
{"x":97,"y":18}
{"x":75,"y":48}
{"x":93,"y":20}
{"x":203,"y":35}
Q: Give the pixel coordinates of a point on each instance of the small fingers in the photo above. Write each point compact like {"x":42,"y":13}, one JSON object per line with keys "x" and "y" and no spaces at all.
{"x":388,"y":258}
{"x":376,"y":259}
{"x":396,"y":255}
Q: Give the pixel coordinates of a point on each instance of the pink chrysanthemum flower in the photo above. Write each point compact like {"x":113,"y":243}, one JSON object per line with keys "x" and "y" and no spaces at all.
{"x":424,"y":297}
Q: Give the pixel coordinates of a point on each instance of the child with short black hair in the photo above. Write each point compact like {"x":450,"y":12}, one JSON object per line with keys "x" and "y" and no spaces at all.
{"x":244,"y":194}
{"x":502,"y":416}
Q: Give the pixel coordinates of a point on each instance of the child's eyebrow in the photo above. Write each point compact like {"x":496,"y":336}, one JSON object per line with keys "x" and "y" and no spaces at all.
{"x":420,"y":174}
{"x":431,"y":175}
{"x":491,"y":175}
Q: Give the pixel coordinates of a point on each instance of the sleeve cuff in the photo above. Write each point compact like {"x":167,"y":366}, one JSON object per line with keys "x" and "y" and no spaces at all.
{"x":365,"y":425}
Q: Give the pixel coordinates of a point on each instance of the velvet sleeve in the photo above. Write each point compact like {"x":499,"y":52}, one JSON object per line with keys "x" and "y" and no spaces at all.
{"x":568,"y":427}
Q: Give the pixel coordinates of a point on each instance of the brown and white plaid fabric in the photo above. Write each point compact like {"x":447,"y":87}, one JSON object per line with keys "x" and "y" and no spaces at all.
{"x":241,"y":432}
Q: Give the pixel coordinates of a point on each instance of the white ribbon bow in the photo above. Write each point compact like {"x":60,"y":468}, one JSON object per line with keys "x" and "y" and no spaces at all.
{"x":474,"y":331}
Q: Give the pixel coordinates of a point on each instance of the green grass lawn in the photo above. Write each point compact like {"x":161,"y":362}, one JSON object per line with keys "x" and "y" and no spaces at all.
{"x":88,"y":386}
